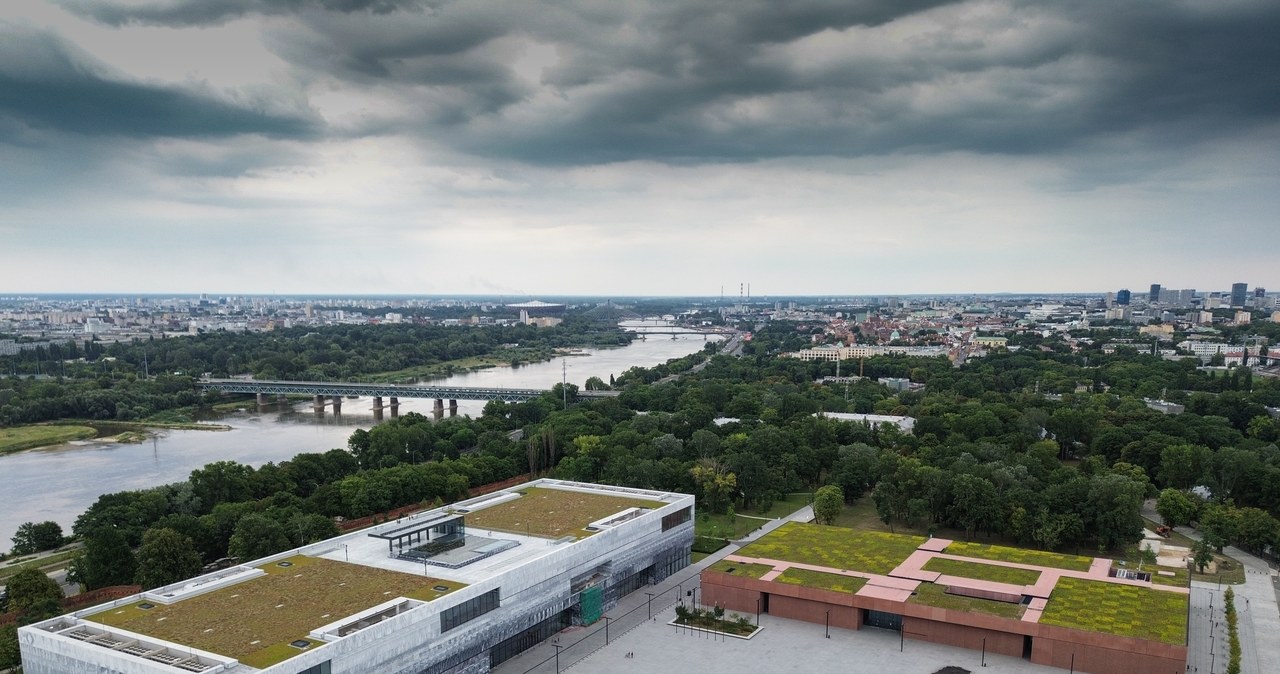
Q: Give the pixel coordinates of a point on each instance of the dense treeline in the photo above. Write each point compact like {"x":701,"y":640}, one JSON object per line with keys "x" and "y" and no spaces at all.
{"x":1042,"y":447}
{"x":108,"y":382}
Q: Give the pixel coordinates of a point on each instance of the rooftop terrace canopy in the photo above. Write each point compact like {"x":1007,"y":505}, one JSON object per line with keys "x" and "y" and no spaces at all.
{"x":440,"y":531}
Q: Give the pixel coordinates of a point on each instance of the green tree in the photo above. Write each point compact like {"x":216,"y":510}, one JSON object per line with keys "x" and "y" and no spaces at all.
{"x":1114,"y":502}
{"x":1176,"y":507}
{"x":828,"y":501}
{"x":32,"y":537}
{"x":10,"y":655}
{"x":717,"y":484}
{"x":1202,"y":554}
{"x":257,"y":536}
{"x":30,"y":587}
{"x":107,"y":560}
{"x":166,"y":557}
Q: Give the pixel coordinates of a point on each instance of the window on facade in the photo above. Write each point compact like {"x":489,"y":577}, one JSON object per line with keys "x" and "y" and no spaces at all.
{"x":468,"y":610}
{"x":675,"y":519}
{"x":322,"y":668}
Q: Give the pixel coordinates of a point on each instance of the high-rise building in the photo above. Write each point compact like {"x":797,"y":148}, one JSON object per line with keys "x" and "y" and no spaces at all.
{"x":1122,"y":297}
{"x":1259,"y":292}
{"x":1239,"y":291}
{"x":1154,"y":295}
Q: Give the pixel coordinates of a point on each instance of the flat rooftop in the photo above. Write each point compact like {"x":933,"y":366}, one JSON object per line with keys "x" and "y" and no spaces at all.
{"x":257,"y":620}
{"x":1028,"y":585}
{"x":553,"y":513}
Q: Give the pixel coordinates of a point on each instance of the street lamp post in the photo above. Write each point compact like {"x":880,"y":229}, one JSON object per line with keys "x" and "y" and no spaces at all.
{"x":557,"y":647}
{"x":606,"y":629}
{"x":984,"y":651}
{"x":828,"y":623}
{"x":650,"y":594}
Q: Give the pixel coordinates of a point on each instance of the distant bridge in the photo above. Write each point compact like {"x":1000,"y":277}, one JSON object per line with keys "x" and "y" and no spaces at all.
{"x":338,"y":390}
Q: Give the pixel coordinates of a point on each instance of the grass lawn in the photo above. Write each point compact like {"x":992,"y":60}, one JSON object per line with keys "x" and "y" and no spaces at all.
{"x":553,"y":513}
{"x":255,"y":620}
{"x":822,"y":581}
{"x":696,"y":556}
{"x":834,"y":547}
{"x":718,"y":525}
{"x":1019,"y":556}
{"x":932,"y":594}
{"x":1124,"y":610}
{"x":740,"y":569}
{"x":980,"y":571}
{"x":18,"y":438}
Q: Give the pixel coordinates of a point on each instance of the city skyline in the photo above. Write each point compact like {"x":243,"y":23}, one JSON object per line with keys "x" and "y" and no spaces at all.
{"x":383,"y":147}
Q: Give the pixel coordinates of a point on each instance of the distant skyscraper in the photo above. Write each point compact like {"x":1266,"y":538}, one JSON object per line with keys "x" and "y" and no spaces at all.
{"x":1259,"y":292}
{"x":1123,"y":297}
{"x":1154,"y":295}
{"x":1239,"y":291}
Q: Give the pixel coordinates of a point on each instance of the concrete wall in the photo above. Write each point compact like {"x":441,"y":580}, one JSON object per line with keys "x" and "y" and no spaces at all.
{"x":953,"y":634}
{"x":1095,"y":653}
{"x":1104,"y":656}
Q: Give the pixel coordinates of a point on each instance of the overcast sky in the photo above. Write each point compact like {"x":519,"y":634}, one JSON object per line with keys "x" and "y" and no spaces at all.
{"x":638,"y":147}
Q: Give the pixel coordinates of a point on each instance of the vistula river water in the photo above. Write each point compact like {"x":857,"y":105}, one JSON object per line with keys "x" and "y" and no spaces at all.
{"x":58,"y":483}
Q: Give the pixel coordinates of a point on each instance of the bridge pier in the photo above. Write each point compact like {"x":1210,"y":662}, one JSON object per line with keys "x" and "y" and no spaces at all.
{"x":453,"y":408}
{"x":377,"y":403}
{"x":377,"y":414}
{"x":262,"y":399}
{"x":317,"y":404}
{"x":337,"y":404}
{"x":395,"y":407}
{"x":282,"y":399}
{"x":439,"y":408}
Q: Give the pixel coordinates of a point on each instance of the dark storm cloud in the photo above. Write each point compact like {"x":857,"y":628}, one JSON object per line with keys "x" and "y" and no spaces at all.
{"x":735,"y":80}
{"x":48,"y":85}
{"x":204,"y":12}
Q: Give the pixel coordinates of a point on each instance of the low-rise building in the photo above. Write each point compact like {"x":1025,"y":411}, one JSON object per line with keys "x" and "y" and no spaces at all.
{"x":1065,"y":611}
{"x":452,"y":590}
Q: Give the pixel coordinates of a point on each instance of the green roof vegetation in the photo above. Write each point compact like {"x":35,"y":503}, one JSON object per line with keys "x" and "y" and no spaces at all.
{"x":1020,"y":556}
{"x":553,"y":513}
{"x":980,"y":571}
{"x":834,"y":547}
{"x":740,"y":569}
{"x":254,"y":621}
{"x":1124,"y":610}
{"x":932,"y":594}
{"x":822,"y":580}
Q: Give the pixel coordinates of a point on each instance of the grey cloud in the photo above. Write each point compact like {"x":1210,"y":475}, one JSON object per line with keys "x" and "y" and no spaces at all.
{"x":205,"y":12}
{"x":719,"y":80}
{"x":710,"y":81}
{"x":48,"y":85}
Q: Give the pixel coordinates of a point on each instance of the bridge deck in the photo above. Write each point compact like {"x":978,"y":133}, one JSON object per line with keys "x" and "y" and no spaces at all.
{"x":386,"y":390}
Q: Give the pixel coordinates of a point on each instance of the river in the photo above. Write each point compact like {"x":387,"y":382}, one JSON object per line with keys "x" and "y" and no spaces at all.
{"x":58,"y":483}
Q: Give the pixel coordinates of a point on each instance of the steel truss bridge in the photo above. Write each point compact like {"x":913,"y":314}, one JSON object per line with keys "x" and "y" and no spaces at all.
{"x":319,"y":388}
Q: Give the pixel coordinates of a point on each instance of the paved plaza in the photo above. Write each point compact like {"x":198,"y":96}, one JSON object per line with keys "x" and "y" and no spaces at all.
{"x":787,"y":646}
{"x":796,"y":646}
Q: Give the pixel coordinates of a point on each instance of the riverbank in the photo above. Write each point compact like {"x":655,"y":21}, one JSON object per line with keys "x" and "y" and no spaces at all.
{"x":21,"y":438}
{"x":35,"y":436}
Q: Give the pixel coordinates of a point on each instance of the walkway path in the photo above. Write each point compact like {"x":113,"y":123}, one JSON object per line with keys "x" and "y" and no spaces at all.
{"x":1256,"y":607}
